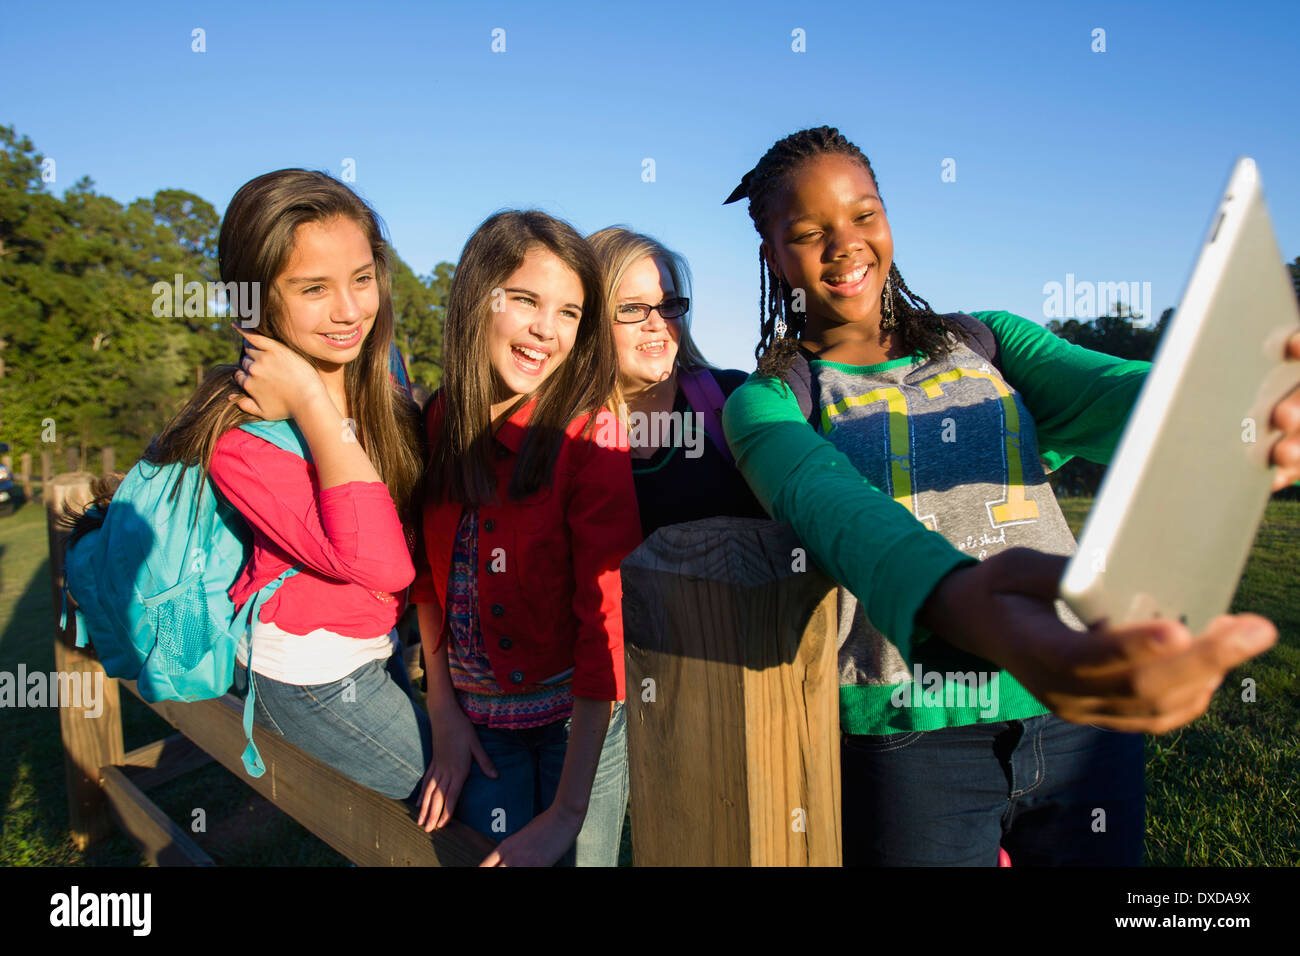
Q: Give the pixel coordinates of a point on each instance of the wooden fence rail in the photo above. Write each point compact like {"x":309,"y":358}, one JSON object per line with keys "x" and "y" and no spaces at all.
{"x":106,"y":785}
{"x":108,"y":464}
{"x":732,"y":705}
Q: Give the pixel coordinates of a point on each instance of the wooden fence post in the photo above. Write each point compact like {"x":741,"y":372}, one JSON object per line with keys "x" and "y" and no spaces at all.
{"x":107,"y":455}
{"x":89,"y":742}
{"x":26,"y":466}
{"x":47,"y":471}
{"x":732,"y":698}
{"x":74,"y":460}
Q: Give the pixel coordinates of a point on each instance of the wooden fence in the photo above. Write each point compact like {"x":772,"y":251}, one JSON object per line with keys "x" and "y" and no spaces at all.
{"x":23,"y":475}
{"x":107,"y":785}
{"x":732,"y":713}
{"x":732,"y":698}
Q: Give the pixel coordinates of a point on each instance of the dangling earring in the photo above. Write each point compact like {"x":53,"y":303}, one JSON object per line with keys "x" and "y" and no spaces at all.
{"x":780,"y":303}
{"x":887,"y":305}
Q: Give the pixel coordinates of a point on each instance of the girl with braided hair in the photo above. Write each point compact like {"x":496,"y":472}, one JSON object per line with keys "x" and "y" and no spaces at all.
{"x":919,"y":487}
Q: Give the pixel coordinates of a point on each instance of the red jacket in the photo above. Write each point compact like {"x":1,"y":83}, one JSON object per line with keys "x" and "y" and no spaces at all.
{"x":357,"y":562}
{"x":550,"y":596}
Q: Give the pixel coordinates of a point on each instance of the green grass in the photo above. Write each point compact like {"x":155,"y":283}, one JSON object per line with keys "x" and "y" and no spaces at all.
{"x":1223,"y":791}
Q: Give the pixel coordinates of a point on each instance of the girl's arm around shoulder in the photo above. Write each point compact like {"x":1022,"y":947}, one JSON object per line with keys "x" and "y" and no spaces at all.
{"x":604,"y":528}
{"x":860,"y":536}
{"x":1080,"y":399}
{"x":349,"y":532}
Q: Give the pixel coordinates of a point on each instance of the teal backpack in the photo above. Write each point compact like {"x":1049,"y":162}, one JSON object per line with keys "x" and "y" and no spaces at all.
{"x":150,"y":583}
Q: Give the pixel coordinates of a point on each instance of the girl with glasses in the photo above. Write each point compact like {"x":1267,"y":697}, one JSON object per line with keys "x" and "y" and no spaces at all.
{"x":669,"y":398}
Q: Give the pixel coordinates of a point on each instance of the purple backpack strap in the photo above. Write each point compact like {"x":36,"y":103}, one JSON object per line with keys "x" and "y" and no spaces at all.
{"x":981,"y":339}
{"x":706,"y":397}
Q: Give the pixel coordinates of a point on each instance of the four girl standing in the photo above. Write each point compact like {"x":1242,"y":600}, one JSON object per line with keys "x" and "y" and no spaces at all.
{"x":526,"y":517}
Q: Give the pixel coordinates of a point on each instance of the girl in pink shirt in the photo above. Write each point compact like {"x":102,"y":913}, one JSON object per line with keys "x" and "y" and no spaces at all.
{"x":322,"y":663}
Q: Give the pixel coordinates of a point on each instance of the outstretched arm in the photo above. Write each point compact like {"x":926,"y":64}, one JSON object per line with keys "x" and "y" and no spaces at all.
{"x":855,"y":532}
{"x":1150,"y":677}
{"x":1080,"y":399}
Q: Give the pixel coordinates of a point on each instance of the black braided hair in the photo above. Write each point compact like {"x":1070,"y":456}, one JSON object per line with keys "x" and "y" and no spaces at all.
{"x":914,"y":325}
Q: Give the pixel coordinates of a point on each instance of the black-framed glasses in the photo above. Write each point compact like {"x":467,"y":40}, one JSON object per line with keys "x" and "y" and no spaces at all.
{"x":630,"y":313}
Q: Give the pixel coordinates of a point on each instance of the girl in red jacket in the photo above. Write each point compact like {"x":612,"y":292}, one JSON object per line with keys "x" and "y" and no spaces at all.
{"x":326,"y":678}
{"x":528,"y":513}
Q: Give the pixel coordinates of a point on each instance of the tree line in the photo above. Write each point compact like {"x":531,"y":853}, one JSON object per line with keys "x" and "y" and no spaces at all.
{"x":1121,"y":335}
{"x":85,"y":361}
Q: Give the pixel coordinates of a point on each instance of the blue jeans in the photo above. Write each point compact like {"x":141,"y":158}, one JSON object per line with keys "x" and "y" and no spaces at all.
{"x":1050,"y":792}
{"x":528,"y":763}
{"x":366,"y":726}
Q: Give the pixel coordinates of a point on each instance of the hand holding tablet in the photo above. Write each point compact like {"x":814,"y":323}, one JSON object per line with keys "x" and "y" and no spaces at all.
{"x":1148,"y":677}
{"x":1216,"y":429}
{"x":1177,"y":513}
{"x":1285,"y":453}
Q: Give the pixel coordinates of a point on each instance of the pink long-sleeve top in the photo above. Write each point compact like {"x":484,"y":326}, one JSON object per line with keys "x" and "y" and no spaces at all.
{"x":355,"y":554}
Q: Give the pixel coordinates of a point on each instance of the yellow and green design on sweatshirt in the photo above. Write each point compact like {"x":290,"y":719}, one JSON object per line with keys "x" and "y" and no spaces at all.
{"x":918,"y":467}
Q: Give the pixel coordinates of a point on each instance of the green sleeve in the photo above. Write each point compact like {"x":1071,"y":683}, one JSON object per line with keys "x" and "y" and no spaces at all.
{"x":856,"y":533}
{"x":1080,"y":399}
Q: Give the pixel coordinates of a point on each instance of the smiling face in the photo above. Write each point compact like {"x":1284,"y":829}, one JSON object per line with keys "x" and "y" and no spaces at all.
{"x":827,"y":234}
{"x":329,"y":292}
{"x":533,"y":323}
{"x":647,"y":352}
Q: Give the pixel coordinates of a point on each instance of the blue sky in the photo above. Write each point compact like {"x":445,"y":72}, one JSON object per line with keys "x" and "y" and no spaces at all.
{"x":1104,"y":165}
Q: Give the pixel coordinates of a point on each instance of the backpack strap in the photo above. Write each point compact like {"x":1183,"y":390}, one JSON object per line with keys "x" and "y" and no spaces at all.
{"x":83,"y":635}
{"x":283,"y":434}
{"x":252,"y":759}
{"x":397,"y":369}
{"x":982,"y":341}
{"x":706,"y":397}
{"x":799,"y":381}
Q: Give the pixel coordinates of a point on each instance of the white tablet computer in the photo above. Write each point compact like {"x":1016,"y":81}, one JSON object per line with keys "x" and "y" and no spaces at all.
{"x":1178,"y":509}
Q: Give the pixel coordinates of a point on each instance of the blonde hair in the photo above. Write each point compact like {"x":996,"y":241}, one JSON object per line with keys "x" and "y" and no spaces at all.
{"x":618,"y":249}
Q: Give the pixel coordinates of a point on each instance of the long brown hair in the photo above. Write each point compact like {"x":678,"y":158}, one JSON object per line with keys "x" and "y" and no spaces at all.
{"x":461,"y":457}
{"x":255,"y":245}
